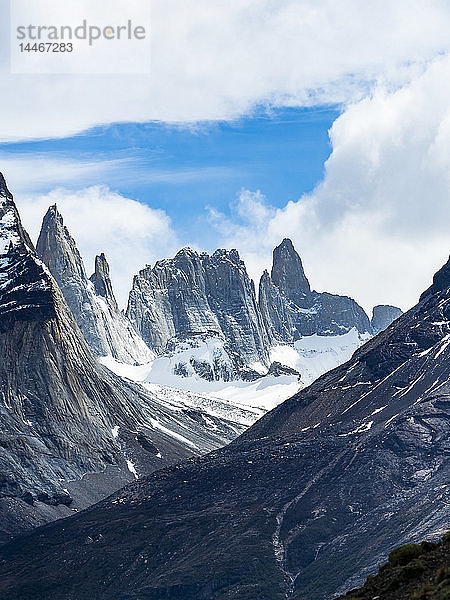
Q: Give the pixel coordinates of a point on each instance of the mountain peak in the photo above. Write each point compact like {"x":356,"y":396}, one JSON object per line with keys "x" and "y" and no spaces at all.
{"x":53,"y":218}
{"x":4,"y":192}
{"x":55,"y":244}
{"x":287,"y":271}
{"x":383,"y":315}
{"x":232,"y":255}
{"x":186,"y":251}
{"x":25,"y":286}
{"x":287,"y":243}
{"x":102,"y":280}
{"x":12,"y":235}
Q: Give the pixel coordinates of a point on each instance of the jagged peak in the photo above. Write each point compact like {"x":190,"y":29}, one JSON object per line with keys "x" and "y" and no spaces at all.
{"x":101,"y":280}
{"x":12,"y":233}
{"x":186,"y":251}
{"x":53,"y":221}
{"x":55,"y":241}
{"x":232,"y":254}
{"x":26,"y":289}
{"x":287,"y":271}
{"x":4,"y":191}
{"x":265,"y":280}
{"x":53,"y":218}
{"x":287,"y":243}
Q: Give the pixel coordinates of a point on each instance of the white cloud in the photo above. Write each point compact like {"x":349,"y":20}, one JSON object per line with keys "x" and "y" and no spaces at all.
{"x":130,"y":233}
{"x":32,"y":172}
{"x":378,"y":226}
{"x":28,"y":172}
{"x":213,"y":60}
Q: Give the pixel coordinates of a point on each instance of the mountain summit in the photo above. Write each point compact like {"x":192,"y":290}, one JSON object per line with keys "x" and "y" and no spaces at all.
{"x":193,"y":297}
{"x":92,"y":302}
{"x":287,"y":272}
{"x":290,"y":310}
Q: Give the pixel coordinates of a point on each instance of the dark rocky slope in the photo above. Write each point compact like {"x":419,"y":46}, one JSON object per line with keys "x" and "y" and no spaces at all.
{"x":303,"y":505}
{"x":71,"y":431}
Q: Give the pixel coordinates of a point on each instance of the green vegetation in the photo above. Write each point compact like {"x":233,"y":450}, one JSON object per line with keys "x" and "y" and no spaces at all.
{"x":405,"y":554}
{"x":414,"y":572}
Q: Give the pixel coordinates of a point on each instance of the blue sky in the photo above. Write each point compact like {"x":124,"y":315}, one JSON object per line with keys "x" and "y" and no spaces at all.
{"x":185,"y":169}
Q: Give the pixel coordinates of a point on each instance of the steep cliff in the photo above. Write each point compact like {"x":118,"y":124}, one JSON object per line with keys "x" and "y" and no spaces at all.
{"x":193,"y":297}
{"x":290,"y":310}
{"x":92,"y":302}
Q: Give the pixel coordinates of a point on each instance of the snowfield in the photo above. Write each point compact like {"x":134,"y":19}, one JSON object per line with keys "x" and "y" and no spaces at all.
{"x":241,"y":402}
{"x":314,"y":355}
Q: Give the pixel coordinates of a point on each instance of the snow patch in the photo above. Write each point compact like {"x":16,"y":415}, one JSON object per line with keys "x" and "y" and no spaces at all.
{"x":360,"y":429}
{"x":157,"y":425}
{"x":314,"y":355}
{"x":132,"y":469}
{"x":445,"y":342}
{"x":377,"y":410}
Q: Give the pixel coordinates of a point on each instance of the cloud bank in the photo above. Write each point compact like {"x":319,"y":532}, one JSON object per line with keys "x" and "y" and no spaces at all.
{"x":378,"y":225}
{"x":217,"y":60}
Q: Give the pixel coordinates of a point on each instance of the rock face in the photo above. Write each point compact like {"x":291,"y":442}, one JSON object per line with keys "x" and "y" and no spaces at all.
{"x":303,"y":505}
{"x":383,"y":315}
{"x":288,"y":274}
{"x":192,"y":295}
{"x":290,"y":310}
{"x":92,"y":302}
{"x":71,"y":431}
{"x":101,"y":281}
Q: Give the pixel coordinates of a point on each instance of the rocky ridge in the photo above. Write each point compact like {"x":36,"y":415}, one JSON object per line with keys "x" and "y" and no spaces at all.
{"x":205,"y":303}
{"x":291,"y":310}
{"x":195,"y":295}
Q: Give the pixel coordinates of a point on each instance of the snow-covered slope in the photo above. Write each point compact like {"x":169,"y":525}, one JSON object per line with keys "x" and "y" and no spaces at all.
{"x":238,"y":400}
{"x":315,"y":354}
